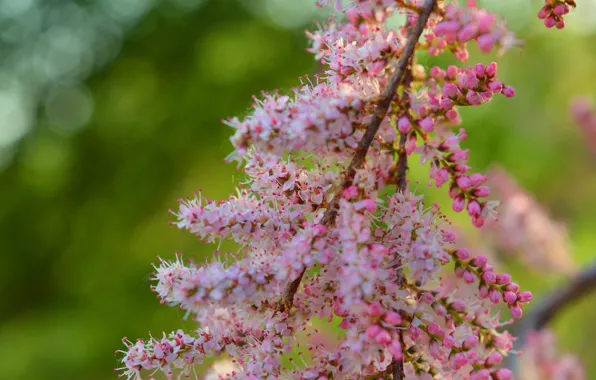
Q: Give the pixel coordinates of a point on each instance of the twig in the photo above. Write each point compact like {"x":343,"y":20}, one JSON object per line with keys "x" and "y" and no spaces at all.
{"x":401,"y":180}
{"x":359,"y":157}
{"x":402,"y":162}
{"x":552,"y":305}
{"x":579,"y":286}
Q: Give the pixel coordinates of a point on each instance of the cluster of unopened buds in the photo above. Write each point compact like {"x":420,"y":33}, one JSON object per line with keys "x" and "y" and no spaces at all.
{"x":553,"y":11}
{"x":462,"y":25}
{"x":322,"y":237}
{"x":495,"y":287}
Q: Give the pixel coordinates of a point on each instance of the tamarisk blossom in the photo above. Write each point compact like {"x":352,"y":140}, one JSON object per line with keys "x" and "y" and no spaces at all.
{"x":525,"y":229}
{"x":321,"y":235}
{"x":462,"y":25}
{"x":541,"y":360}
{"x":584,"y":115}
{"x":553,"y":11}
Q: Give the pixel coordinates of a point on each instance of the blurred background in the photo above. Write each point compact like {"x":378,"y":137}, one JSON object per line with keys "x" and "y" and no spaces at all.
{"x":110,"y":111}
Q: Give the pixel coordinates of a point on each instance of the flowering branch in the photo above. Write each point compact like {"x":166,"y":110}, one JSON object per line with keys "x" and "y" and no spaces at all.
{"x":371,"y":130}
{"x":300,"y":208}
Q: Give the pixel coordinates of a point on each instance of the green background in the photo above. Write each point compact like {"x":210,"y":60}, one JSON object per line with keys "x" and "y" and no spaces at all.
{"x":84,"y":208}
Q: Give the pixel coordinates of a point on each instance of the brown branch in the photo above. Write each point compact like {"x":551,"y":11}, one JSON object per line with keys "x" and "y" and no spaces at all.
{"x":552,"y":305}
{"x":387,"y":96}
{"x":402,"y":162}
{"x":561,"y":298}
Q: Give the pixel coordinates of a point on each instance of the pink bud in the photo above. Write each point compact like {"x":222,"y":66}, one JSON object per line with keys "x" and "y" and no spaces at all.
{"x":449,"y":342}
{"x":483,"y":374}
{"x":452,"y":72}
{"x":463,"y":182}
{"x":467,"y":33}
{"x":403,"y":125}
{"x":469,"y":277}
{"x":445,"y":27}
{"x":460,"y":155}
{"x":446,"y":104}
{"x":496,"y":86}
{"x":470,"y":342}
{"x":503,"y":374}
{"x":462,"y":253}
{"x":560,"y":9}
{"x":483,"y":291}
{"x":479,"y":70}
{"x":516,"y":311}
{"x":474,"y":208}
{"x":393,"y":318}
{"x":434,"y":328}
{"x":524,"y":296}
{"x":463,"y":169}
{"x":543,"y":13}
{"x":489,"y":277}
{"x":550,"y":21}
{"x":458,"y":203}
{"x":373,"y":330}
{"x":479,"y":261}
{"x":427,"y":124}
{"x":503,"y":278}
{"x":509,"y":91}
{"x":383,"y":337}
{"x":481,"y":191}
{"x":477,"y":179}
{"x":477,"y":220}
{"x":459,"y":360}
{"x":512,"y":287}
{"x":494,"y":296}
{"x":491,"y":69}
{"x":493,"y":359}
{"x":509,"y":297}
{"x":453,"y":116}
{"x":474,"y":98}
{"x":427,"y":297}
{"x":437,"y":73}
{"x":560,"y":23}
{"x":450,"y":90}
{"x":350,"y":193}
{"x":486,"y":43}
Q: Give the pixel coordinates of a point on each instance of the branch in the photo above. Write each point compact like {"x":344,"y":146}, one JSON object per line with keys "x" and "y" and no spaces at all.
{"x":359,"y":157}
{"x":547,"y":309}
{"x":553,"y":304}
{"x":402,"y":162}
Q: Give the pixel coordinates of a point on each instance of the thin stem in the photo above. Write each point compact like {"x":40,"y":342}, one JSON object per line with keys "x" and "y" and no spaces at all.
{"x":387,"y":96}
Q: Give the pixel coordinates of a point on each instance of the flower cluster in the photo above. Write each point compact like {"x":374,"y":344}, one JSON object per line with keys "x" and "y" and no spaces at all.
{"x":322,"y":236}
{"x":525,"y":229}
{"x":462,"y":25}
{"x":541,"y":360}
{"x":553,"y":11}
